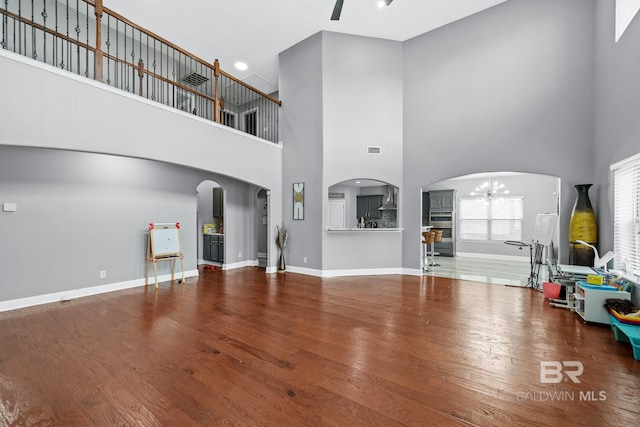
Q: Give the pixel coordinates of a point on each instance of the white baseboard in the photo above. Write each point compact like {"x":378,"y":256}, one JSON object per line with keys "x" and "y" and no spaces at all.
{"x":247,"y":263}
{"x":304,"y":270}
{"x":354,"y":272}
{"x":83,"y":292}
{"x":412,"y":271}
{"x":339,"y":273}
{"x":361,"y":272}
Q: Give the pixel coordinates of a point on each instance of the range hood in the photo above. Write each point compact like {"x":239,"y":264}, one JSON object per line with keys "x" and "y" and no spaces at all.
{"x":390,"y":203}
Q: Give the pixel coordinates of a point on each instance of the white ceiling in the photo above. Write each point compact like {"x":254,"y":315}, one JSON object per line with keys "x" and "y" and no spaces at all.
{"x":256,"y":31}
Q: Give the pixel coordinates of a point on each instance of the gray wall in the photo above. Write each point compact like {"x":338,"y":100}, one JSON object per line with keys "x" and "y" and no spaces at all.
{"x":301,"y":126}
{"x":617,"y":129}
{"x":343,"y":93}
{"x":80,"y":213}
{"x":362,"y":84}
{"x":507,"y":89}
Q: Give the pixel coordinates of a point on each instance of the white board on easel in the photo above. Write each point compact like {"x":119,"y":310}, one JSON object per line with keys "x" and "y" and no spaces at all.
{"x":164,"y":244}
{"x":544,"y":228}
{"x":165,"y":240}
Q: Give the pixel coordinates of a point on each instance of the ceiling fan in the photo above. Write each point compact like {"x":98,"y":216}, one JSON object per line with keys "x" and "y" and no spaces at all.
{"x":337,"y":9}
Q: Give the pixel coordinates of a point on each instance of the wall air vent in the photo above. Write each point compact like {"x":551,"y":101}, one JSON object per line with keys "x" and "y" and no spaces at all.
{"x":194,"y":79}
{"x":373,"y":149}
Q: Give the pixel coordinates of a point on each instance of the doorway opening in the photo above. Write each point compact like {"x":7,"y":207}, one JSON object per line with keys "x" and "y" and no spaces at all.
{"x":210,"y":220}
{"x":486,"y":210}
{"x":261,"y":227}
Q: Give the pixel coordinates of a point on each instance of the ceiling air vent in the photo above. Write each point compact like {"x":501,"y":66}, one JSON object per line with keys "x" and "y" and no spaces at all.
{"x":373,"y":149}
{"x":194,"y":79}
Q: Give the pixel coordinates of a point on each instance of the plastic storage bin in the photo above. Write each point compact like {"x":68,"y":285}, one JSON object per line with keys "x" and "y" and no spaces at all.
{"x":626,"y":333}
{"x":551,"y":290}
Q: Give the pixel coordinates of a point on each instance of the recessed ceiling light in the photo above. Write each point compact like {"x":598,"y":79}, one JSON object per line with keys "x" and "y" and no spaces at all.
{"x":357,"y":182}
{"x":381,"y":4}
{"x":240,"y":66}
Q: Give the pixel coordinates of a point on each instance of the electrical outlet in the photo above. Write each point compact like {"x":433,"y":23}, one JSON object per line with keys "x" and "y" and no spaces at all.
{"x":239,"y":254}
{"x":103,"y":274}
{"x":304,"y":259}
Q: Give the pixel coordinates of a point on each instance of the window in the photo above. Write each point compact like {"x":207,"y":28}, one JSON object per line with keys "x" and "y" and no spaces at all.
{"x":491,"y":218}
{"x":626,"y":214}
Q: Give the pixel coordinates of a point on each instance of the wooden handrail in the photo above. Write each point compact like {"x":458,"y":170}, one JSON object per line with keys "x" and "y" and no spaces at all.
{"x":99,"y":10}
{"x":148,"y":72}
{"x":186,"y":53}
{"x":100,"y":56}
{"x":47,"y":30}
{"x":258,"y":91}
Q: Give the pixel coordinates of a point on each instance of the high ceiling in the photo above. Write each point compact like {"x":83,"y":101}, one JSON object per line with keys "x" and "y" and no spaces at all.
{"x":256,"y":31}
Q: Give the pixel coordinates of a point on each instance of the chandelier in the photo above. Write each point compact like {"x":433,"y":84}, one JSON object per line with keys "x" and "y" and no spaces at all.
{"x":489,"y":189}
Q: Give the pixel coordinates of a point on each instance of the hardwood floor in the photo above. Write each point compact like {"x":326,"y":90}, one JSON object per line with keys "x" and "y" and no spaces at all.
{"x":244,"y":348}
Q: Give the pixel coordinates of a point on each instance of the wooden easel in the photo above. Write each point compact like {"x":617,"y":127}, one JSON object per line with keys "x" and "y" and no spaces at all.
{"x":164,"y":245}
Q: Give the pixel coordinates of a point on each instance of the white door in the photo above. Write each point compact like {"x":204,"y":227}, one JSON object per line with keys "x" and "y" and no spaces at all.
{"x":336,"y":213}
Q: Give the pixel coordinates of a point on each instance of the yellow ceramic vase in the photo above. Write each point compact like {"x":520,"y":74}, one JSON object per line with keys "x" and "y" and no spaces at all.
{"x":582,"y":226}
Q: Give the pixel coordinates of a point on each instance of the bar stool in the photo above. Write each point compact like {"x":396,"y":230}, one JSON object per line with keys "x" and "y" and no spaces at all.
{"x":437,"y":238}
{"x":427,"y":243}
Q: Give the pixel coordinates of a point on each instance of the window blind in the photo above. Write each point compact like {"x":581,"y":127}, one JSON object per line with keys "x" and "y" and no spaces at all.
{"x":491,"y":218}
{"x":626,"y":214}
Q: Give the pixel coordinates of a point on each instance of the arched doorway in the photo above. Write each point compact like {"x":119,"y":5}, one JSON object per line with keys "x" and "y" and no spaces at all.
{"x":210,"y":223}
{"x":476,"y":249}
{"x":261,"y":227}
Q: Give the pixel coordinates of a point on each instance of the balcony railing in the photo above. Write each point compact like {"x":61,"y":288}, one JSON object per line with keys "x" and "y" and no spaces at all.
{"x":86,"y":38}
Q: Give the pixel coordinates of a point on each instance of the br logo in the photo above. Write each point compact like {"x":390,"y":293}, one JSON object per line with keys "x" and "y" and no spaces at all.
{"x":553,"y":372}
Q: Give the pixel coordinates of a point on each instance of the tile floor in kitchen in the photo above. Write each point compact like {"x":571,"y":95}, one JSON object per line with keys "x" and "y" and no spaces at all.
{"x":498,"y":271}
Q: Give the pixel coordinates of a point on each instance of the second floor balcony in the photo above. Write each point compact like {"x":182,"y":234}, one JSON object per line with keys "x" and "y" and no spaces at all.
{"x":88,"y":39}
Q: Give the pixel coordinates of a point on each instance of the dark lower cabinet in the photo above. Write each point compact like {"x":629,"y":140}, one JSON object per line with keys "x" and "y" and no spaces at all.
{"x":213,"y":247}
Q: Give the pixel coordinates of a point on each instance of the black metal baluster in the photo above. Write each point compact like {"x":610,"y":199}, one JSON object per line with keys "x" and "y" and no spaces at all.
{"x":116,"y":65}
{"x":161,"y":97}
{"x":146,"y":65}
{"x":108,"y":43}
{"x":155,"y":80}
{"x":126,"y":74}
{"x":66,"y":41}
{"x":77,"y":29}
{"x":16,"y":28}
{"x":164,"y":70}
{"x":133,"y":60}
{"x":20,"y":28}
{"x":87,"y":50}
{"x":173,"y":78}
{"x":34,"y":53}
{"x":5,"y":25}
{"x":44,"y":24}
{"x":55,"y":36}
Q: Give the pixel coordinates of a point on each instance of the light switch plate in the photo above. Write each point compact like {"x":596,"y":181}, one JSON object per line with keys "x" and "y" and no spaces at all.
{"x":9,"y":207}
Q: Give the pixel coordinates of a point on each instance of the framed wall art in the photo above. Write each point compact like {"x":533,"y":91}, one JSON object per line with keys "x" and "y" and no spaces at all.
{"x":298,"y":200}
